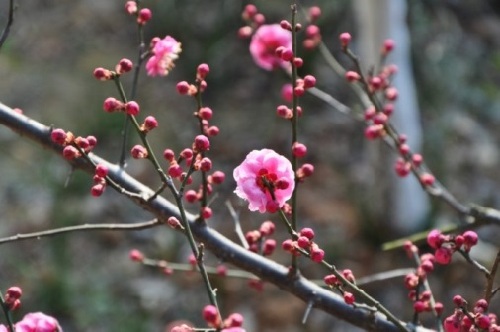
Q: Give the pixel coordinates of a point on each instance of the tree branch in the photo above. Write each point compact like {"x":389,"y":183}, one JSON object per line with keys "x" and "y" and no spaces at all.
{"x":219,"y":245}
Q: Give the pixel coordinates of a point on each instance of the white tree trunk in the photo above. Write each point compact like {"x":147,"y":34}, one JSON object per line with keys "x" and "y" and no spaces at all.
{"x":378,"y":20}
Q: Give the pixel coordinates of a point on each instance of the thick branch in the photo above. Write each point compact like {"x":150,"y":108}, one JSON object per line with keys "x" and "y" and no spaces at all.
{"x":219,"y":245}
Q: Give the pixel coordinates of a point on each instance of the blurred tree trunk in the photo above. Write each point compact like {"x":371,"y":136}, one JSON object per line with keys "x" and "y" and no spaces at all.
{"x":403,"y":199}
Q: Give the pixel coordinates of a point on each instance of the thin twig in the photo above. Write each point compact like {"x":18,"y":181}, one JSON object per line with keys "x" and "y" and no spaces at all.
{"x":10,"y":21}
{"x":78,"y":228}
{"x":237,"y":225}
{"x":488,"y":293}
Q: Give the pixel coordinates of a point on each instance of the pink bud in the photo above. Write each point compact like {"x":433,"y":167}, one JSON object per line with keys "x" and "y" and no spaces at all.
{"x":131,"y":7}
{"x":212,"y":131}
{"x":97,"y":189}
{"x":349,"y":297}
{"x":427,"y":179}
{"x":286,"y":25}
{"x":169,"y":155}
{"x":191,"y":196}
{"x":102,"y":74}
{"x":388,"y":46}
{"x":303,"y":242}
{"x":288,"y":245}
{"x":267,"y":228}
{"x":58,"y":136}
{"x":124,"y":66}
{"x":150,"y":123}
{"x":202,"y":71}
{"x":112,"y":104}
{"x":182,"y":87}
{"x":201,"y":143}
{"x":298,"y":62}
{"x":205,"y":164}
{"x":435,"y":239}
{"x":139,"y":152}
{"x":317,"y":255}
{"x":299,"y":150}
{"x":345,"y":39}
{"x":144,"y":16}
{"x":218,"y":177}
{"x":70,"y":152}
{"x":101,"y":170}
{"x":309,"y":81}
{"x":205,"y":113}
{"x":330,"y":279}
{"x":175,"y":170}
{"x":268,"y":247}
{"x":135,"y":255}
{"x":13,"y":293}
{"x":443,"y":255}
{"x":173,"y":222}
{"x":132,"y":108}
{"x":352,"y":76}
{"x":314,"y":13}
{"x":307,"y":232}
{"x":211,"y":315}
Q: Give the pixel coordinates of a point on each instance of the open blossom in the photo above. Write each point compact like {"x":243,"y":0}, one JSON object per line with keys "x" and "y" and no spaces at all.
{"x":35,"y":322}
{"x":165,"y":51}
{"x":264,"y":43}
{"x":261,"y":172}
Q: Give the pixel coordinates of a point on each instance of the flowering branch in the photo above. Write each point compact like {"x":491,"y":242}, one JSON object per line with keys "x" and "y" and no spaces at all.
{"x":219,"y":245}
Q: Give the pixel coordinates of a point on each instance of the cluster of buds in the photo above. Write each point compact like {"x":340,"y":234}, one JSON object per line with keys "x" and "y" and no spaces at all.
{"x":191,"y":155}
{"x":259,"y":241}
{"x":253,"y":20}
{"x":100,"y":173}
{"x":137,"y":256}
{"x":122,"y":67}
{"x":313,"y":33}
{"x":143,"y":15}
{"x":204,"y":114}
{"x":233,"y":323}
{"x":305,"y":242}
{"x":408,"y":161}
{"x":332,"y":281}
{"x":112,"y":104}
{"x":286,"y":112}
{"x":422,"y":300}
{"x":216,"y":177}
{"x":73,"y":146}
{"x":463,"y":320}
{"x":12,"y":298}
{"x":446,"y":245}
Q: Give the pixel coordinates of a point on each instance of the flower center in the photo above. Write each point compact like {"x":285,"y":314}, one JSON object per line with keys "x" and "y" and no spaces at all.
{"x":265,"y":180}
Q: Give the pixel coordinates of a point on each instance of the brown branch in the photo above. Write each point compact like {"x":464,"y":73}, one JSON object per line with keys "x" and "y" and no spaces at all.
{"x":219,"y":245}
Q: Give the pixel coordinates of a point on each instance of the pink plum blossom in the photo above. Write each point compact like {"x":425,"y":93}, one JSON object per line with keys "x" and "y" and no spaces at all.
{"x":35,"y":322}
{"x":165,"y":51}
{"x":261,"y":171}
{"x":264,"y":43}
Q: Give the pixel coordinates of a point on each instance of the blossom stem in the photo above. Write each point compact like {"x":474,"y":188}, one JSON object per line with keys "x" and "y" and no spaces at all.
{"x":133,"y":90}
{"x":6,"y":312}
{"x":204,"y":180}
{"x":294,"y":122}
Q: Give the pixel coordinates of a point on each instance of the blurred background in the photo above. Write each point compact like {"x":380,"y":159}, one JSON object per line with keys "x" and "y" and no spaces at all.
{"x":87,"y":281}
